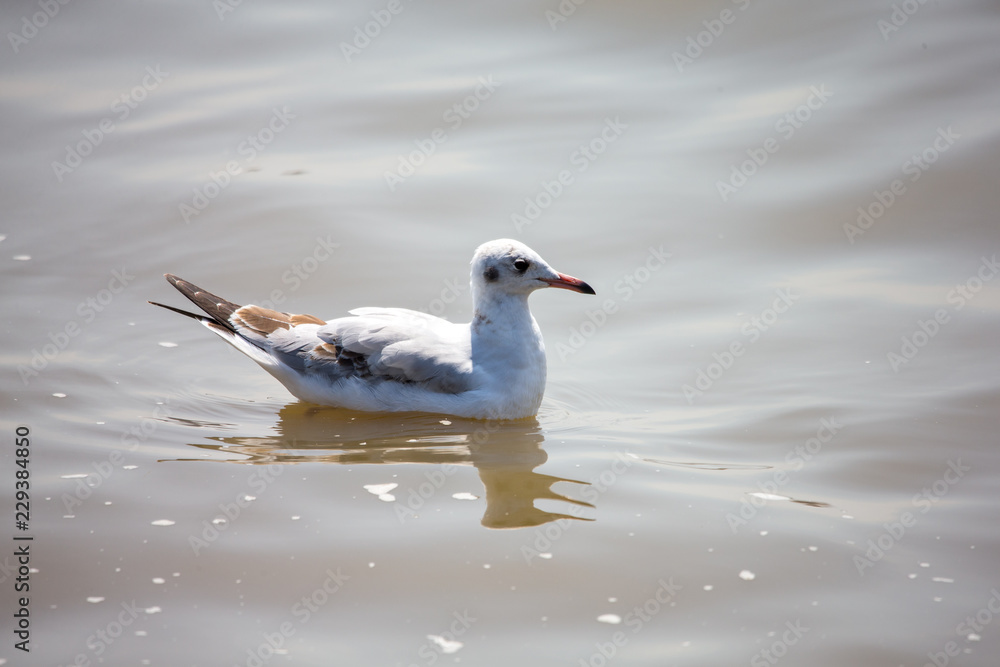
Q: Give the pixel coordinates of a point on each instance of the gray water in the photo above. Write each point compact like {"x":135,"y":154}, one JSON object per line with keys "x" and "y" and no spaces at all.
{"x":770,"y":438}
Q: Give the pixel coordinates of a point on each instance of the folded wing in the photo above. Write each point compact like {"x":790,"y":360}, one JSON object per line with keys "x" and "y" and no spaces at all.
{"x":377,"y":344}
{"x":403,"y":345}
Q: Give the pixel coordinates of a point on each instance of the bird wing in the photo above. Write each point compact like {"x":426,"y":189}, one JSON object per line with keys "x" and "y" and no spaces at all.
{"x":403,"y":345}
{"x":375,"y":343}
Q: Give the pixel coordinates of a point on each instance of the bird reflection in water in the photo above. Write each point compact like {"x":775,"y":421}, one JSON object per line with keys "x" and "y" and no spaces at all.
{"x":504,"y":452}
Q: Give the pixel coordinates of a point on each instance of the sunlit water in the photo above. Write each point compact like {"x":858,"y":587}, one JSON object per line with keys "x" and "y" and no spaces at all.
{"x":771,"y":437}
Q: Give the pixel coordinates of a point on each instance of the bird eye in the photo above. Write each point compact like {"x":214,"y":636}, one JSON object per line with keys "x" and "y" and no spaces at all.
{"x":521,"y":265}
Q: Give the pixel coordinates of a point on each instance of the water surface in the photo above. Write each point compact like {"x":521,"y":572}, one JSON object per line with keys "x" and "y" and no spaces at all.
{"x":770,"y":437}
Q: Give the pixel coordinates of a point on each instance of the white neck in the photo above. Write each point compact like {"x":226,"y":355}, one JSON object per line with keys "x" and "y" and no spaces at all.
{"x":506,"y":339}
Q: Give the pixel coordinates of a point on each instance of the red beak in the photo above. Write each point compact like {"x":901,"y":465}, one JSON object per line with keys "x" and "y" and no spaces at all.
{"x":570,"y":283}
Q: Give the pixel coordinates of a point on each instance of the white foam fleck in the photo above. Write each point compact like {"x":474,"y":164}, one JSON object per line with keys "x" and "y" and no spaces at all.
{"x":382,"y":491}
{"x":95,"y":599}
{"x":464,"y":496}
{"x":446,"y":645}
{"x":747,"y":575}
{"x":164,"y":343}
{"x":164,"y":522}
{"x":379,"y":489}
{"x":152,"y":610}
{"x":613,"y":619}
{"x":767,"y":496}
{"x":159,"y":580}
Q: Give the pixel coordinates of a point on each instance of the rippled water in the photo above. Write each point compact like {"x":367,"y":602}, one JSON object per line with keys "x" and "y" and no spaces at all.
{"x":771,"y":438}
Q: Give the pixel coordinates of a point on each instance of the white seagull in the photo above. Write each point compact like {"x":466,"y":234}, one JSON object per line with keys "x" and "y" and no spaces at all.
{"x":400,"y":360}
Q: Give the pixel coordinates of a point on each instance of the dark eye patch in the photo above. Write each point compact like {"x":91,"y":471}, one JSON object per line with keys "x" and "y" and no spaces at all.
{"x":521,"y":265}
{"x":491,"y":274}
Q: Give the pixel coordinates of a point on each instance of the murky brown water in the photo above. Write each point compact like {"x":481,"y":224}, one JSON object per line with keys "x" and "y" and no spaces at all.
{"x":778,"y":445}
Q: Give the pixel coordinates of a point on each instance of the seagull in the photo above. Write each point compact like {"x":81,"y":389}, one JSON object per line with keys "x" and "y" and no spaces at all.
{"x":401,"y":360}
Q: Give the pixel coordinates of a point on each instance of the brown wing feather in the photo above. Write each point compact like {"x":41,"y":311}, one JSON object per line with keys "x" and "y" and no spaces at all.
{"x":216,"y":307}
{"x":262,"y":321}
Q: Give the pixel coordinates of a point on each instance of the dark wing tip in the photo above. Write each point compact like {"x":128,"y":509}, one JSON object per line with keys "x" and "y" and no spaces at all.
{"x":214,"y":306}
{"x":182,"y":312}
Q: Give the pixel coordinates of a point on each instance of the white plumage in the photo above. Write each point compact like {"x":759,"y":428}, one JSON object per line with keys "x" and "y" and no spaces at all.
{"x":395,"y":359}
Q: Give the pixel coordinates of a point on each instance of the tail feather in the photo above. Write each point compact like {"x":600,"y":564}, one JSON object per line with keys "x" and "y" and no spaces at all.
{"x":216,"y":318}
{"x":216,"y":307}
{"x":196,"y":316}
